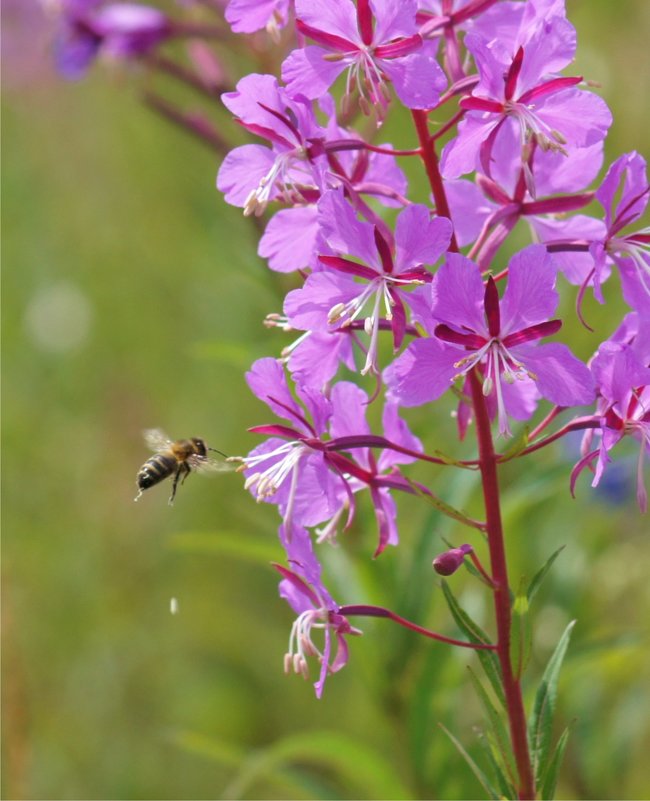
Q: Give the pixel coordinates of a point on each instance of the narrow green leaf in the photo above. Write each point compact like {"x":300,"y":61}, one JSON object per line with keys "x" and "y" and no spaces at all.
{"x":520,"y":633}
{"x":226,"y":543}
{"x":499,"y":730}
{"x":541,"y":721}
{"x":541,"y":573}
{"x":516,"y":445}
{"x":506,"y":788}
{"x":488,"y":659}
{"x":483,"y":779}
{"x":444,"y":508}
{"x":549,"y":781}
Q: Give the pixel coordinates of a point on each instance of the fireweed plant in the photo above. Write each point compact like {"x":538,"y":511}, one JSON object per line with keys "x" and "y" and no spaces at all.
{"x":398,"y":303}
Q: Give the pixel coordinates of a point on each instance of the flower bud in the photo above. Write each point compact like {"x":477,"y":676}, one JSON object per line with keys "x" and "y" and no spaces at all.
{"x":448,"y":562}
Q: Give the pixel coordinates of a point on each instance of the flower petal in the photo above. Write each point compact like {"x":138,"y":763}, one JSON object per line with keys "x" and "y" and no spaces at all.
{"x":560,"y":376}
{"x":422,"y":373}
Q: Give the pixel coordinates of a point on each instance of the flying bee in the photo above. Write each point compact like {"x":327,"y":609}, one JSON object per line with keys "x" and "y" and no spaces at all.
{"x":177,"y":458}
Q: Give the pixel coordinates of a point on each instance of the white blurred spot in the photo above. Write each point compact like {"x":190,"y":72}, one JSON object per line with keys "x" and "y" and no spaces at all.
{"x":173,"y":606}
{"x":58,"y":317}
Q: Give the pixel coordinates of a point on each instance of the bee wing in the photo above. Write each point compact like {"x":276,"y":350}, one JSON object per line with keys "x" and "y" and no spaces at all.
{"x":156,"y":439}
{"x":210,"y":464}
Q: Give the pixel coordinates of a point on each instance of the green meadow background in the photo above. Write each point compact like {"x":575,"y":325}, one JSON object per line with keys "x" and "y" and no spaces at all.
{"x":133,"y":298}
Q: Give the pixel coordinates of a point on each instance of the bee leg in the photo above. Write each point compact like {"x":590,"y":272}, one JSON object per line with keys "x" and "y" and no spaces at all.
{"x":187,"y":469}
{"x":177,"y":475}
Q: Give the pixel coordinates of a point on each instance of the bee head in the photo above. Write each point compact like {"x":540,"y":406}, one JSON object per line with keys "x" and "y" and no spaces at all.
{"x":199,"y":446}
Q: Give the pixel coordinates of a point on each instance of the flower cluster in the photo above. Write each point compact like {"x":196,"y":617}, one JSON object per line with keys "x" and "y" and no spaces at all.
{"x":527,"y":146}
{"x":525,"y":142}
{"x":398,"y":299}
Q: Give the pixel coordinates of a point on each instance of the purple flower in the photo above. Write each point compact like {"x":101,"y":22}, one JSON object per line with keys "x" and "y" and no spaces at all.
{"x":477,"y":328}
{"x":291,"y":469}
{"x":290,"y":241}
{"x":624,"y":194}
{"x":116,"y":30}
{"x":376,"y":42}
{"x":486,"y":210}
{"x":302,"y":588}
{"x":248,"y":16}
{"x":621,"y":369}
{"x":379,"y":474}
{"x":385,"y":272}
{"x":523,"y":93}
{"x":252,"y":175}
{"x":300,"y":467}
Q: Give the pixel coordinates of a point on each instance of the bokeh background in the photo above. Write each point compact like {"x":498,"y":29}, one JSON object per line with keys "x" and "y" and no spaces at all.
{"x":133,"y":297}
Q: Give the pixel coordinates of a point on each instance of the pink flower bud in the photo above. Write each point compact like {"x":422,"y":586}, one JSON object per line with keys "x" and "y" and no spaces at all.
{"x":448,"y":562}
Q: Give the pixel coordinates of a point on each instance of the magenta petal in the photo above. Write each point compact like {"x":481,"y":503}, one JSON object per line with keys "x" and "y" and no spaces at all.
{"x":349,"y":403}
{"x":248,"y":16}
{"x":575,"y":265}
{"x":634,"y":196}
{"x":267,"y":380}
{"x":457,"y":291}
{"x":422,"y":373}
{"x":316,"y":498}
{"x":581,"y":117}
{"x":307,"y":308}
{"x":469,"y":209}
{"x":520,"y":398}
{"x":289,"y":240}
{"x":396,"y":430}
{"x":336,"y":17}
{"x":530,"y":296}
{"x":242,"y":170}
{"x":419,"y":239}
{"x":560,"y":376}
{"x":417,"y":78}
{"x":460,"y":155}
{"x":307,"y":72}
{"x":393,"y":19}
{"x":344,"y":233}
{"x":316,"y":360}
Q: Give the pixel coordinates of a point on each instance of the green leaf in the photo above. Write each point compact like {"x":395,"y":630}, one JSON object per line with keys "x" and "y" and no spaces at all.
{"x":501,"y":738}
{"x":488,"y":659}
{"x":506,"y":788}
{"x":483,"y":779}
{"x":367,"y":773}
{"x":541,"y":573}
{"x":443,"y":507}
{"x":226,"y":543}
{"x":520,"y":633}
{"x":541,"y":722}
{"x":549,"y":780}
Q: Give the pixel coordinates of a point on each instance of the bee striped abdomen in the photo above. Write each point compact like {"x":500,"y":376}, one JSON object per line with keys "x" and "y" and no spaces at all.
{"x":156,"y":469}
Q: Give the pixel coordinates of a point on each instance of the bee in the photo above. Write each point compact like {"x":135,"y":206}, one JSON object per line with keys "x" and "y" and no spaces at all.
{"x":178,"y":458}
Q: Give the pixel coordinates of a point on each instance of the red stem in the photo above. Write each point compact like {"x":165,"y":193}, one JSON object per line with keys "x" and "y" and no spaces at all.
{"x":430,"y":159}
{"x":380,"y":611}
{"x":488,"y":466}
{"x":496,"y":544}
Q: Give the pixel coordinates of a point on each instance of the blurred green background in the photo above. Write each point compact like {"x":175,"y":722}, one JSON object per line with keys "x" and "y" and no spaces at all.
{"x":133,"y":298}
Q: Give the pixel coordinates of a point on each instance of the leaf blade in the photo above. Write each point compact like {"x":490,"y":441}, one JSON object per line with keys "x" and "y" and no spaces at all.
{"x":539,"y":731}
{"x":488,"y":659}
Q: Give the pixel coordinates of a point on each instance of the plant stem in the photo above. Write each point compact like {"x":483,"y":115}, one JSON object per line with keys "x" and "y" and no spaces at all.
{"x":430,"y":159}
{"x":496,"y":544}
{"x":488,"y":460}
